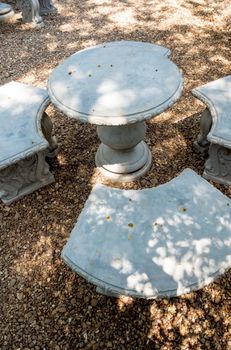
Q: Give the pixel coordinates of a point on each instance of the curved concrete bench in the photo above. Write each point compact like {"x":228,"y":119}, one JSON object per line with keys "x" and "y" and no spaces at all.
{"x":155,"y":242}
{"x":215,"y":136}
{"x":25,"y":140}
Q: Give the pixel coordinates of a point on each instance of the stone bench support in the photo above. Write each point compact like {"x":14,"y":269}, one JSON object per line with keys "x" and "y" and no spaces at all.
{"x":215,"y":136}
{"x":25,"y":141}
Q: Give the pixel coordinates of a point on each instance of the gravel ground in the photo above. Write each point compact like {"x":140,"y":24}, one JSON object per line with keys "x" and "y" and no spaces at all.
{"x":43,"y":304}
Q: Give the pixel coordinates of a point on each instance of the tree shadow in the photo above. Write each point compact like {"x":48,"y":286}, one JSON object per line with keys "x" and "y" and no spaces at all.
{"x":39,"y":293}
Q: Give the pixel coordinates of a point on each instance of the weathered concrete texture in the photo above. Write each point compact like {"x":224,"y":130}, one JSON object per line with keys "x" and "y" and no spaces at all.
{"x":117,"y":86}
{"x":25,"y":140}
{"x":151,"y":243}
{"x":215,"y":136}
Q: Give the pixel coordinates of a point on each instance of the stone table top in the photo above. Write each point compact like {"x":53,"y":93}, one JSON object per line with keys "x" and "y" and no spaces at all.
{"x":116,"y":83}
{"x":21,"y":110}
{"x":164,"y":241}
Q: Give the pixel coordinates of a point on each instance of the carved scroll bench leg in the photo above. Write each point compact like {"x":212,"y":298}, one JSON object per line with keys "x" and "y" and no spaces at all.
{"x":202,"y":144}
{"x":47,"y":128}
{"x":46,"y":7}
{"x":31,"y":12}
{"x":121,"y":237}
{"x":218,"y":165}
{"x":24,"y":177}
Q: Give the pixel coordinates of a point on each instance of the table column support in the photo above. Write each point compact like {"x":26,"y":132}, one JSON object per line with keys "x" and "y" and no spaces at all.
{"x":122,"y":155}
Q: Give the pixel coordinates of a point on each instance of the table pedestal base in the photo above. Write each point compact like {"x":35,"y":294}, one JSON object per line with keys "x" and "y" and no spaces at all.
{"x":122,"y":155}
{"x":124,"y":165}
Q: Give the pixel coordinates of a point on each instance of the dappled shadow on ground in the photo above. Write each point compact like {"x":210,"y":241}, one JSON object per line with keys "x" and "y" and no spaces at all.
{"x":46,"y":305}
{"x":199,"y":41}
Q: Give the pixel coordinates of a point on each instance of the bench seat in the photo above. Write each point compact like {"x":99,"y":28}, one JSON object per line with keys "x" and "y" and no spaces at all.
{"x":25,"y":140}
{"x":158,"y":242}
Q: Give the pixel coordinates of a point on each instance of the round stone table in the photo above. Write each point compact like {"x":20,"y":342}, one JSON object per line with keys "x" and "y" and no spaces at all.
{"x":117,"y":86}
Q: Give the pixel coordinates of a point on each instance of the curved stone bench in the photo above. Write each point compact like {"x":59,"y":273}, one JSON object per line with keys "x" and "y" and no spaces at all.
{"x":215,"y":136}
{"x":25,"y":140}
{"x":151,"y":243}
